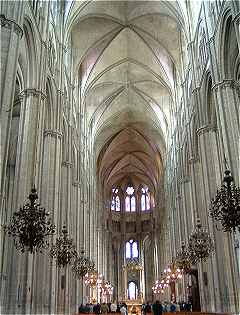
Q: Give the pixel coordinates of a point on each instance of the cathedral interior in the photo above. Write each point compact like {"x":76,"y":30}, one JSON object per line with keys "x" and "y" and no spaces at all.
{"x":121,"y":120}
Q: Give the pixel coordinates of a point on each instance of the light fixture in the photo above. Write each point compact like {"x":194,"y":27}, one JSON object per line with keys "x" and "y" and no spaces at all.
{"x":106,"y":287}
{"x":92,"y":278}
{"x":172,"y":273}
{"x":182,"y":260}
{"x":30,"y":226}
{"x":200,"y":244}
{"x":158,"y":287}
{"x":64,"y":251}
{"x":82,"y":265}
{"x":226,"y":205}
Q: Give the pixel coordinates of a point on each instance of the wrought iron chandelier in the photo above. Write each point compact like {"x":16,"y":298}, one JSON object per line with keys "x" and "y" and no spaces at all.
{"x":64,"y":251}
{"x":92,"y":278}
{"x":106,"y":287}
{"x":30,"y":226}
{"x":82,"y":265}
{"x":159,"y":287}
{"x":172,"y":273}
{"x":226,"y":205}
{"x":182,"y":260}
{"x":200,"y":244}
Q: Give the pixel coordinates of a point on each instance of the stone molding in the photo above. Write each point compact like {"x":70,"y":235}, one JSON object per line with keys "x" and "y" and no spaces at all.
{"x":67,"y":164}
{"x":77,"y":184}
{"x":32,"y":92}
{"x":53,"y":133}
{"x":184,"y":179}
{"x":227,"y":83}
{"x":10,"y":24}
{"x":237,"y":18}
{"x":205,"y":129}
{"x":61,"y":93}
{"x":193,"y":159}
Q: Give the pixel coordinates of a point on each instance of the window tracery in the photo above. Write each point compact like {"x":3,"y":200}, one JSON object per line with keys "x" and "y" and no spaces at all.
{"x":145,"y":200}
{"x":130,"y":200}
{"x":115,"y":203}
{"x":131,"y":249}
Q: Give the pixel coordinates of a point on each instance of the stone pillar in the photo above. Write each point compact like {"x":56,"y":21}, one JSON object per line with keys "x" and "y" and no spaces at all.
{"x":50,"y":192}
{"x":209,"y":157}
{"x":227,"y":95}
{"x":11,"y":19}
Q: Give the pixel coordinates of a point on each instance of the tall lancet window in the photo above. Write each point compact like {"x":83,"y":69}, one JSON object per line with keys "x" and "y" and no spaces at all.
{"x":130,"y":200}
{"x":115,"y":204}
{"x":131,"y":249}
{"x":145,"y":199}
{"x":132,"y":291}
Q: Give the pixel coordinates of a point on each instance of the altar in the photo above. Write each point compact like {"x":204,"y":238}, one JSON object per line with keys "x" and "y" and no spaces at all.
{"x":134,"y":307}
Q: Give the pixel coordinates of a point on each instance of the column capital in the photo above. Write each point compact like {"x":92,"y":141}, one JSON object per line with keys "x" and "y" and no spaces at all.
{"x":53,"y":133}
{"x":77,"y":184}
{"x":227,"y":83}
{"x":205,"y":129}
{"x":4,"y":22}
{"x":193,"y":159}
{"x":32,"y":92}
{"x":236,"y":18}
{"x":184,"y":179}
{"x":67,"y":164}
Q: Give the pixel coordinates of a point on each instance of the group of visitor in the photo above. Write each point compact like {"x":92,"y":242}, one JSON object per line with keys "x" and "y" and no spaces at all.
{"x":156,"y":308}
{"x":103,"y":308}
{"x":173,"y":307}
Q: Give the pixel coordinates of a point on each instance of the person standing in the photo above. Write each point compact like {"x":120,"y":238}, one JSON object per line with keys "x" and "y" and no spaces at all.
{"x":157,"y":308}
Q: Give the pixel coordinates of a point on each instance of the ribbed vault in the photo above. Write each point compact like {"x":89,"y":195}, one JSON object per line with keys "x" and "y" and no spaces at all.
{"x":127,"y":57}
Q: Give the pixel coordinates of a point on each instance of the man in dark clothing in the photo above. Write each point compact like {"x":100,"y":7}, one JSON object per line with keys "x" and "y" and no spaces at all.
{"x":97,"y":308}
{"x":157,"y":308}
{"x":147,"y":308}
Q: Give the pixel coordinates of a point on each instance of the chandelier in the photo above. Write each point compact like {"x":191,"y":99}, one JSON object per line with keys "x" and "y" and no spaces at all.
{"x":106,"y":287}
{"x":200,"y":244}
{"x":30,"y":226}
{"x":182,"y":259}
{"x":64,"y":250}
{"x":82,"y":265}
{"x":92,"y":278}
{"x":172,"y":273}
{"x":159,"y":287}
{"x":226,"y":205}
{"x":133,"y":264}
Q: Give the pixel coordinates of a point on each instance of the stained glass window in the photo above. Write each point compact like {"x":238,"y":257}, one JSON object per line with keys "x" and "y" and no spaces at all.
{"x":131,"y":249}
{"x":147,"y":203}
{"x":143,"y":204}
{"x":132,"y":291}
{"x":134,"y":250}
{"x":127,"y":204}
{"x":130,"y":190}
{"x":115,"y":203}
{"x":128,"y":250}
{"x":133,"y":204}
{"x":130,"y":201}
{"x":145,"y":199}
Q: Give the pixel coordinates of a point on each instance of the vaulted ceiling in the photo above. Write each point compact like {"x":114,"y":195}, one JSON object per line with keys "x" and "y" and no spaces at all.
{"x":128,"y":58}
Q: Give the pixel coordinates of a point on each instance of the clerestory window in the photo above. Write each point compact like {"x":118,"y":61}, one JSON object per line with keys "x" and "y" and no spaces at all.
{"x":131,"y":249}
{"x":130,"y":200}
{"x":115,"y":204}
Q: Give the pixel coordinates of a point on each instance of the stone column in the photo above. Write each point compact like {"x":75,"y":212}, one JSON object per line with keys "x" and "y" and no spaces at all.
{"x":11,"y":19}
{"x":209,"y":157}
{"x":46,"y":270}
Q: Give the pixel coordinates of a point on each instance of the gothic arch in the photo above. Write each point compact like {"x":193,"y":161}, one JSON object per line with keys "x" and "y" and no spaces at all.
{"x":48,"y":106}
{"x":228,"y":48}
{"x":31,"y":52}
